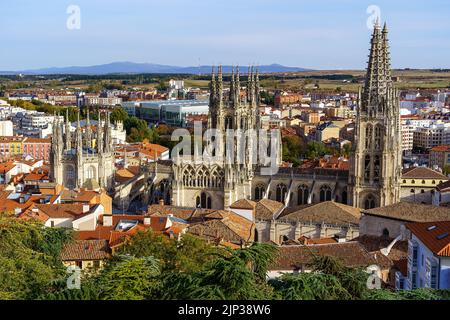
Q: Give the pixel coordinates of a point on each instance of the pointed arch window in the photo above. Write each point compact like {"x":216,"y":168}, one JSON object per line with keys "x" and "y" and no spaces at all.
{"x":302,"y":194}
{"x":228,"y":123}
{"x":367,"y":168}
{"x":281,"y":192}
{"x":203,"y":201}
{"x":377,"y":168}
{"x":368,"y":136}
{"x":325,"y":193}
{"x":378,"y":135}
{"x":344,"y":197}
{"x":369,"y":203}
{"x":259,"y":192}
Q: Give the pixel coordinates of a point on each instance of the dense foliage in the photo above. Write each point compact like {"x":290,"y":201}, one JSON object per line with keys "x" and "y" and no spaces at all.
{"x":29,"y":258}
{"x":152,"y":266}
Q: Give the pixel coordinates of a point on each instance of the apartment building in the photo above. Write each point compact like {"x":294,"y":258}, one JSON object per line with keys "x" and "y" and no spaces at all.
{"x":440,"y":156}
{"x":432,"y":136}
{"x":428,"y":255}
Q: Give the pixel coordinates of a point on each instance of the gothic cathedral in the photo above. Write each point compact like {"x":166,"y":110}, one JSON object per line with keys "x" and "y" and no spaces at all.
{"x":87,"y":161}
{"x":376,"y":160}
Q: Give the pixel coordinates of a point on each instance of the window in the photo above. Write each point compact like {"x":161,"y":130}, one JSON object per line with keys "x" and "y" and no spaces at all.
{"x":281,"y":193}
{"x":344,"y":197}
{"x":415,"y":253}
{"x":368,"y":136}
{"x":203,"y":201}
{"x":376,"y":168}
{"x":433,"y":277}
{"x":367,"y":168}
{"x":325,"y":193}
{"x":259,"y":192}
{"x":302,"y":195}
{"x":369,"y":203}
{"x":90,"y":173}
{"x":386,"y":233}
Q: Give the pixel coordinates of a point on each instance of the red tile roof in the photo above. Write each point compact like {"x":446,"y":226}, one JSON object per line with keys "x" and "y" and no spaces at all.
{"x":434,"y":235}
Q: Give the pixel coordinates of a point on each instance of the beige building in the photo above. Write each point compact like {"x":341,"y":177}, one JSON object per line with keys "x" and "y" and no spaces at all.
{"x":326,"y":131}
{"x":277,"y":223}
{"x":86,"y":254}
{"x":419,"y":184}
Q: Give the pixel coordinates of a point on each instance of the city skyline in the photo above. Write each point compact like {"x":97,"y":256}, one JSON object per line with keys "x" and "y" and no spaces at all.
{"x":291,"y":33}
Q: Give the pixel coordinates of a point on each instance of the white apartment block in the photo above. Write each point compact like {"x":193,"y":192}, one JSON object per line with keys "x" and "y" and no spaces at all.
{"x":428,"y":256}
{"x":432,"y":136}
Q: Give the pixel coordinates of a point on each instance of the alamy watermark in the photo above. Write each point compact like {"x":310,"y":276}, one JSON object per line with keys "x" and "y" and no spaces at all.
{"x":374,"y":279}
{"x":74,"y":280}
{"x":241,"y":147}
{"x":73,"y":22}
{"x":375,"y":15}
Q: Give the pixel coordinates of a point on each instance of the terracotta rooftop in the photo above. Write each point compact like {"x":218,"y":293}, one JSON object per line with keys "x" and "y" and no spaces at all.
{"x":244,"y":204}
{"x":230,"y":227}
{"x":411,"y":212}
{"x":443,"y":148}
{"x":85,"y":250}
{"x":328,"y":212}
{"x":434,"y":235}
{"x":422,"y":173}
{"x":266,"y":208}
{"x":293,"y":257}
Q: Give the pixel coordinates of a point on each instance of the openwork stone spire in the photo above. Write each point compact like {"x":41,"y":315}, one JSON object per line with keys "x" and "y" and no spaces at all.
{"x":68,"y":133}
{"x":378,"y":78}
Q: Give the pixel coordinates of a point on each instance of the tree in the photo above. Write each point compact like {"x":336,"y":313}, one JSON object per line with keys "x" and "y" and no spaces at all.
{"x":29,"y":257}
{"x":293,"y":149}
{"x":118,"y":114}
{"x":446,"y":170}
{"x":346,"y":148}
{"x":187,"y":255}
{"x":130,"y":278}
{"x":316,"y":150}
{"x":233,"y":275}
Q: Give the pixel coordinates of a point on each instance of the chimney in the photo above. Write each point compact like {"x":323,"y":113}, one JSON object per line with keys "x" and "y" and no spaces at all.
{"x":107,"y":220}
{"x":86,"y":208}
{"x":161,"y":202}
{"x":147,"y":220}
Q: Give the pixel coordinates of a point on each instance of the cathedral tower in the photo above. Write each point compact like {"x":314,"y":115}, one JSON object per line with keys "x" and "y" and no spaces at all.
{"x":376,"y":158}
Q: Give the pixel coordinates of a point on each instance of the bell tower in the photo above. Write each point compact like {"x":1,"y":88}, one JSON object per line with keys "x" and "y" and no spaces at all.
{"x":376,"y":159}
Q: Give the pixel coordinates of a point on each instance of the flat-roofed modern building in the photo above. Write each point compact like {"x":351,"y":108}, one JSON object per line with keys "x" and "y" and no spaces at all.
{"x":173,"y":112}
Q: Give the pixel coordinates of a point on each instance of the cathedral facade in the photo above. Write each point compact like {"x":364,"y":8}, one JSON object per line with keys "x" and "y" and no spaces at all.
{"x":85,"y":160}
{"x":373,"y":179}
{"x":218,"y":183}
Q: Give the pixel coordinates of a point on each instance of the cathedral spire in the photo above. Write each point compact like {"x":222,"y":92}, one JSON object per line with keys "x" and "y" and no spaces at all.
{"x":238,"y":86}
{"x":232,"y":86}
{"x":378,"y":77}
{"x":220,"y":86}
{"x":68,"y":133}
{"x":108,"y":141}
{"x":99,"y":134}
{"x":79,"y":136}
{"x":257,"y":88}
{"x":212,"y":88}
{"x":250,"y":84}
{"x":88,"y":130}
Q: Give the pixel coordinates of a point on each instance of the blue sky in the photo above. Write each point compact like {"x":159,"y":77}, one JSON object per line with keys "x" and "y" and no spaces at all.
{"x":320,"y":34}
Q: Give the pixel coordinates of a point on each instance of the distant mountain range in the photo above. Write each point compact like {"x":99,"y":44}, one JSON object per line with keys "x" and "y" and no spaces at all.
{"x":131,"y":67}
